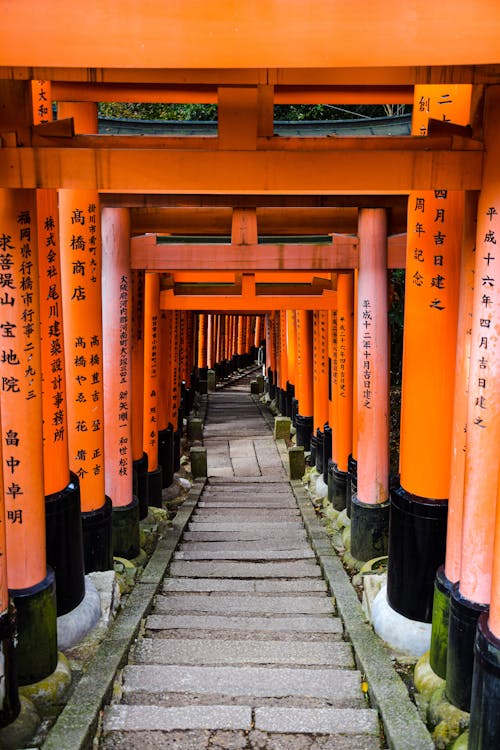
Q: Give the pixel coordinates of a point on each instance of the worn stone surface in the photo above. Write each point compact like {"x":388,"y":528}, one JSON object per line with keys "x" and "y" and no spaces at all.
{"x":244,"y":603}
{"x":301,"y":568}
{"x":298,"y":624}
{"x":316,"y":721}
{"x":307,"y":585}
{"x":291,"y":554}
{"x":140,"y":718}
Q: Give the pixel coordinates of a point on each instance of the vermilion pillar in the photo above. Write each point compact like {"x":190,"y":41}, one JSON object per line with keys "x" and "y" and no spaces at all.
{"x":9,"y":697}
{"x":140,"y":457}
{"x":31,"y":584}
{"x":291,"y":347}
{"x":419,"y":506}
{"x":370,"y":506}
{"x":117,"y":373}
{"x":320,"y":382}
{"x":304,"y":390}
{"x":62,"y":494}
{"x":342,"y":399}
{"x":165,"y":427}
{"x":151,"y":383}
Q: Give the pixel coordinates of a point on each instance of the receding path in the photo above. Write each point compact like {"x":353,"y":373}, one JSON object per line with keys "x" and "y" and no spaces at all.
{"x":243,"y":649}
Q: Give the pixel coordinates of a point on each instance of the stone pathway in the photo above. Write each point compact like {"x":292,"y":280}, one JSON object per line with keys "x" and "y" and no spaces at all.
{"x":243,"y":650}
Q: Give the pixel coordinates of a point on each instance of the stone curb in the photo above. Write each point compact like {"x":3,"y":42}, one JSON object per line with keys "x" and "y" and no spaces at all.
{"x":404,"y":729}
{"x":77,"y":723}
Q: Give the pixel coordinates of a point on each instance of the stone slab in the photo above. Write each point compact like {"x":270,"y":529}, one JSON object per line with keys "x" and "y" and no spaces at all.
{"x":241,"y":448}
{"x":216,"y":651}
{"x":242,"y":525}
{"x":238,"y":604}
{"x":317,"y":720}
{"x":304,"y":585}
{"x":299,"y":569}
{"x":231,"y":546}
{"x":245,"y":467}
{"x":217,"y":485}
{"x":256,"y":554}
{"x":244,"y":535}
{"x":296,"y":624}
{"x":245,"y":502}
{"x":341,"y":687}
{"x":247,"y":514}
{"x":148,"y":718}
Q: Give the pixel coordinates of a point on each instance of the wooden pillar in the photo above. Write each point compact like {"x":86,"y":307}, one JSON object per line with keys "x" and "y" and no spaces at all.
{"x":117,"y":373}
{"x":291,"y":348}
{"x":210,"y":341}
{"x":165,"y":426}
{"x":419,"y":505}
{"x":140,"y":457}
{"x":304,"y":377}
{"x":31,"y":583}
{"x":151,"y":383}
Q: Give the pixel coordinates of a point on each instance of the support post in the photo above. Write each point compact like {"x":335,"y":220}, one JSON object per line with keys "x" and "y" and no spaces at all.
{"x":151,"y":384}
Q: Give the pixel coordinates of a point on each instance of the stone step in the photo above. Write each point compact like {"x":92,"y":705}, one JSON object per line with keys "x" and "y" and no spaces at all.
{"x":277,"y":526}
{"x":160,"y":718}
{"x":244,"y":536}
{"x":294,"y":569}
{"x":243,"y":604}
{"x":205,"y":651}
{"x":261,"y":502}
{"x":291,"y":554}
{"x":340,"y":687}
{"x":241,"y":515}
{"x":266,"y":545}
{"x":248,"y":624}
{"x":311,"y":586}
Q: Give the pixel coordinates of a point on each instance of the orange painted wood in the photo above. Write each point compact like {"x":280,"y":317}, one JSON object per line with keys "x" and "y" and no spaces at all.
{"x":342,"y":434}
{"x":83,"y":114}
{"x":164,"y":372}
{"x":283,"y":354}
{"x":270,"y":343}
{"x":55,"y":418}
{"x":137,"y":357}
{"x":338,"y":168}
{"x":291,"y":345}
{"x":332,"y":357}
{"x":151,"y":368}
{"x":453,"y":562}
{"x":483,"y":414}
{"x":20,"y":394}
{"x":255,"y":303}
{"x":202,"y":340}
{"x":372,"y":360}
{"x":117,"y":364}
{"x":4,"y":591}
{"x":80,"y":228}
{"x":304,"y":369}
{"x":210,"y":340}
{"x":320,"y":368}
{"x":267,"y":33}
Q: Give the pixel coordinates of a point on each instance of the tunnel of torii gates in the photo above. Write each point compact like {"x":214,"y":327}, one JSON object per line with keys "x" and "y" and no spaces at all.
{"x":114,"y":309}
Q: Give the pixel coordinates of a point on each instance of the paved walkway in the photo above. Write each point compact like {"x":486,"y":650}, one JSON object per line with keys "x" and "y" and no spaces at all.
{"x":243,"y":649}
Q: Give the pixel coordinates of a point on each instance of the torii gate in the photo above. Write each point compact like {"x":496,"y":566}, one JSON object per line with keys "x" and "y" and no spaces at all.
{"x":258,"y":54}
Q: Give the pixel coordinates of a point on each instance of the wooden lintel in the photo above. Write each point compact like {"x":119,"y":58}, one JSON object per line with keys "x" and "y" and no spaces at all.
{"x":240,"y":303}
{"x":64,"y":128}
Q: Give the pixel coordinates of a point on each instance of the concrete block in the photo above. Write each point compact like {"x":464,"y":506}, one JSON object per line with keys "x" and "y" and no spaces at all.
{"x":282,"y":428}
{"x":198,"y":458}
{"x":260,"y":383}
{"x":194,"y":429}
{"x":297,"y":461}
{"x":211,"y":381}
{"x":254,"y":388}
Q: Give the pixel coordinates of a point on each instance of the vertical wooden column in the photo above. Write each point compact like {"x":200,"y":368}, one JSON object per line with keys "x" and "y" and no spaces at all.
{"x":291,"y":348}
{"x":151,"y":383}
{"x":419,"y":505}
{"x":9,"y":696}
{"x":31,"y":583}
{"x":210,"y":341}
{"x":176,"y":388}
{"x":80,"y":229}
{"x":62,"y":493}
{"x":117,"y":308}
{"x":140,"y":457}
{"x":165,"y":426}
{"x":304,"y":374}
{"x":320,"y":382}
{"x":370,"y":506}
{"x":283,"y":361}
{"x":342,"y":366}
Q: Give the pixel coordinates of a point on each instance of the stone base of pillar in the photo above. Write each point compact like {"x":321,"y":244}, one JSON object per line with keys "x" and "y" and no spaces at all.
{"x":399,"y":632}
{"x":484,"y":728}
{"x":63,"y":534}
{"x":97,"y":538}
{"x":22,"y":729}
{"x":337,"y":485}
{"x":74,"y":626}
{"x":417,"y":545}
{"x":141,"y":486}
{"x":304,"y":426}
{"x":369,"y":529}
{"x":440,"y":620}
{"x":166,"y":455}
{"x":9,"y":703}
{"x":464,"y":615}
{"x":125,"y":530}
{"x":36,"y":652}
{"x":155,"y":479}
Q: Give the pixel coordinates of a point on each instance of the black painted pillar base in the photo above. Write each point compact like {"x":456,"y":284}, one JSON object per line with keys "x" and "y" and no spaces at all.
{"x":36,"y":652}
{"x":464,"y":615}
{"x":64,"y":544}
{"x":141,"y":484}
{"x":125,"y":529}
{"x":327,"y":451}
{"x":9,"y":704}
{"x":290,"y":394}
{"x":369,"y":529}
{"x":320,"y":441}
{"x":155,"y":479}
{"x":166,"y":455}
{"x":177,"y":449}
{"x":440,"y":622}
{"x":352,"y":486}
{"x":295,"y":411}
{"x":417,"y":544}
{"x":337,"y":485}
{"x":304,"y":426}
{"x":97,"y":538}
{"x":484,"y":727}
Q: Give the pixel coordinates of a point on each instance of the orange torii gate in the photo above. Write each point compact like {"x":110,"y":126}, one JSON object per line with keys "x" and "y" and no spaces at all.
{"x":275,"y":53}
